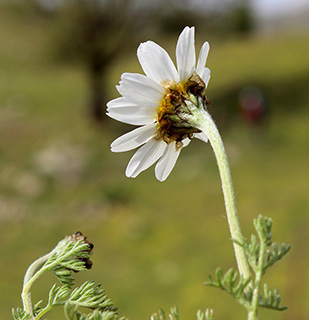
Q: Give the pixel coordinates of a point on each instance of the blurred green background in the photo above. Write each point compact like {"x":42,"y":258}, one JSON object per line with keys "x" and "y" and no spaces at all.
{"x":155,"y":243}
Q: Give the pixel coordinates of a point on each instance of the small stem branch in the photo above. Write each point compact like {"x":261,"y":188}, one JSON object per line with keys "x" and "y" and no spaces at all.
{"x":33,"y":273}
{"x":205,"y":123}
{"x":44,"y":311}
{"x":252,"y":315}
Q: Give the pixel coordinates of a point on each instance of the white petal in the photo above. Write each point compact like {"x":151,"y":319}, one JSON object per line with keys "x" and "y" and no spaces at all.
{"x":185,"y":53}
{"x":144,"y":81}
{"x":206,"y":76}
{"x":156,"y":62}
{"x":139,"y":94}
{"x":202,"y":136}
{"x":134,"y":138}
{"x":136,"y":119}
{"x":202,"y":59}
{"x":167,"y":162}
{"x":133,"y":110}
{"x":185,"y":142}
{"x":145,"y":157}
{"x":119,"y":102}
{"x":141,"y":90}
{"x":122,"y":110}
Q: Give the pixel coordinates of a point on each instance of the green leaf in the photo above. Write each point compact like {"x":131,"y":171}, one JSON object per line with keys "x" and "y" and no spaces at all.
{"x":90,"y":295}
{"x":231,"y":283}
{"x":69,"y":256}
{"x":57,"y":294}
{"x":174,"y":315}
{"x":271,"y":299}
{"x":275,"y":254}
{"x":263,"y":227}
{"x":207,"y":315}
{"x":63,"y":275}
{"x":19,"y":314}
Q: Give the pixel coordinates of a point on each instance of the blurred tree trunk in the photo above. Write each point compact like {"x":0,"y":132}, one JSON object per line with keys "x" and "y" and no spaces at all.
{"x":97,"y":95}
{"x":95,"y":33}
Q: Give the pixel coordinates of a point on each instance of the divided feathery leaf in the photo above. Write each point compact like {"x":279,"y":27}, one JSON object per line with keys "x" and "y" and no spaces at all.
{"x":101,"y":315}
{"x":72,"y":313}
{"x":159,"y":316}
{"x":38,"y":307}
{"x":270,"y":299}
{"x":263,"y":227}
{"x":207,"y":315}
{"x":275,"y":254}
{"x":251,"y":249}
{"x":63,"y":275}
{"x":56,"y":294}
{"x":174,"y":315}
{"x":19,"y":314}
{"x":90,"y":295}
{"x":69,"y":256}
{"x":261,"y":253}
{"x":231,"y":283}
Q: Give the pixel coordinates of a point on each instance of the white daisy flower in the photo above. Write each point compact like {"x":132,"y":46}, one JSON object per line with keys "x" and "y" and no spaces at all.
{"x":156,"y":102}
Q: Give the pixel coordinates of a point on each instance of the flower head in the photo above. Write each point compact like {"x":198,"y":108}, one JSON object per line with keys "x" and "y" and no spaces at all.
{"x":158,"y":101}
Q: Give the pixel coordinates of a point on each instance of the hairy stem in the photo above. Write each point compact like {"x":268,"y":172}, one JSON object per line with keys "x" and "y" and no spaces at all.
{"x":202,"y":120}
{"x":33,"y":273}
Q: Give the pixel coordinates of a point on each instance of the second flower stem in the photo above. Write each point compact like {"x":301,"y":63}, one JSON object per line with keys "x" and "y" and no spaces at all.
{"x":33,"y":273}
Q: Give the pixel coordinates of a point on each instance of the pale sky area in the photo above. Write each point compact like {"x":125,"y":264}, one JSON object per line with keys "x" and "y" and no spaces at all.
{"x":263,"y":8}
{"x":279,"y":7}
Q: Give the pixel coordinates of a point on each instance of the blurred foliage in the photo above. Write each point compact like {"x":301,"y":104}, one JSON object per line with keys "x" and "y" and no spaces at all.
{"x":96,"y":33}
{"x":242,"y":20}
{"x":222,"y":18}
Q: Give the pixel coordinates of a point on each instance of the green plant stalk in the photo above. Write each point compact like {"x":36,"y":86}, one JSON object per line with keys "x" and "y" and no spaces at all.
{"x":44,"y":311}
{"x":202,"y":120}
{"x":252,"y":315}
{"x":33,"y":273}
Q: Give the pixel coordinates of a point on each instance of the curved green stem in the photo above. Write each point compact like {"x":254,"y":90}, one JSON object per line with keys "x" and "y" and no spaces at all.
{"x":42,"y":312}
{"x":203,"y":121}
{"x":33,"y":273}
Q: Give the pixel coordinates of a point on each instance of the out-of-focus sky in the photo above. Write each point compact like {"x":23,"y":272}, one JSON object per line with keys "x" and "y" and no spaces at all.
{"x":266,"y":8}
{"x":269,"y":8}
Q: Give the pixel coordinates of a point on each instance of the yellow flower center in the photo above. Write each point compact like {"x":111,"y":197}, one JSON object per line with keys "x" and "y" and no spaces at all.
{"x":171,"y":128}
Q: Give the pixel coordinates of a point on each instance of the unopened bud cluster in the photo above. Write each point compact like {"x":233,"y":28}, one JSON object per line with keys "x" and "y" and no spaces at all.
{"x":79,"y":236}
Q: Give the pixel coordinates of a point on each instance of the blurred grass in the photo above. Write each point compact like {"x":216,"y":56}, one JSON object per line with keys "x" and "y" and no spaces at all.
{"x":155,"y":243}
